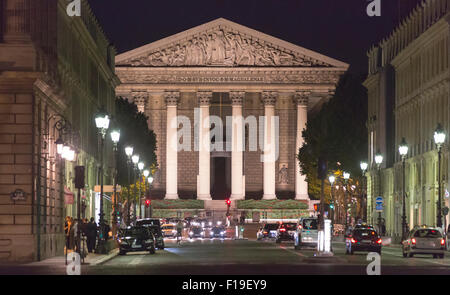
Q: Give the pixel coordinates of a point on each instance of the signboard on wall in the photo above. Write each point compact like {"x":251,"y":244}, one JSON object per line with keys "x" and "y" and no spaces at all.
{"x":68,"y":196}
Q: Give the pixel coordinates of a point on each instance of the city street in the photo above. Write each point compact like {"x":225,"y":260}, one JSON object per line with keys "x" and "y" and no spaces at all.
{"x":248,"y":257}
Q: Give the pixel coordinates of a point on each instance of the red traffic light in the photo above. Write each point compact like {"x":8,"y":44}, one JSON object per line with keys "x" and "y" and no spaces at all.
{"x":228,"y":201}
{"x":147,"y":203}
{"x":316,"y":207}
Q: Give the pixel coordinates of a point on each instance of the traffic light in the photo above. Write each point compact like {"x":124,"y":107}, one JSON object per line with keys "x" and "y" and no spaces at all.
{"x":147,"y":203}
{"x":228,"y":201}
{"x":332,"y":206}
{"x":316,"y":207}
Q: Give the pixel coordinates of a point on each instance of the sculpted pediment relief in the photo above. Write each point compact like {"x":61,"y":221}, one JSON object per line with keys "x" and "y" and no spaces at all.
{"x":225,"y":44}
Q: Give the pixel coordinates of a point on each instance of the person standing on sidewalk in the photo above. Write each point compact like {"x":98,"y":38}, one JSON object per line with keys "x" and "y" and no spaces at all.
{"x":91,"y":230}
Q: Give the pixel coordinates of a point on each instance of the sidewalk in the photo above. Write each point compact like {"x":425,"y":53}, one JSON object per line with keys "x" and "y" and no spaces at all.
{"x":91,"y":259}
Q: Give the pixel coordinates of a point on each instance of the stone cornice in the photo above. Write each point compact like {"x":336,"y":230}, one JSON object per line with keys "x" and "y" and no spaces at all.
{"x":201,"y":76}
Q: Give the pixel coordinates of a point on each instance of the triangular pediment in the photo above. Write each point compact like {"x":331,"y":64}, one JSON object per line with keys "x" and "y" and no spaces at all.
{"x":223,"y":43}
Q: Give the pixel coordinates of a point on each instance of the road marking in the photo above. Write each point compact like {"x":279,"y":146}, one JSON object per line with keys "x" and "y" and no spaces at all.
{"x":137,"y":260}
{"x":292,"y":251}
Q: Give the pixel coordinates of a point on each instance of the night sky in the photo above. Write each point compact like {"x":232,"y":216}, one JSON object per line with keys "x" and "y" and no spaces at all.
{"x":340,"y":29}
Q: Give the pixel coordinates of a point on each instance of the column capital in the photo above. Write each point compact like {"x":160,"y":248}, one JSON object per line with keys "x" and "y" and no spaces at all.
{"x":237,"y":97}
{"x":140,"y":98}
{"x":204,"y":98}
{"x":172,"y":97}
{"x":269,"y":98}
{"x":302,"y":97}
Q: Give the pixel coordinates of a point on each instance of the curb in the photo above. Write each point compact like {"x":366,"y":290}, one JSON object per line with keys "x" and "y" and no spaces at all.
{"x":113,"y":253}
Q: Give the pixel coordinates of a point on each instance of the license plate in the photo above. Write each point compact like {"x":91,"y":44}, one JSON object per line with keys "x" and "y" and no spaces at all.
{"x":136,"y":246}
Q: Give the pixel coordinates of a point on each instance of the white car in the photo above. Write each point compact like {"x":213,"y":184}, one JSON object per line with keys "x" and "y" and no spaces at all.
{"x":306,"y":234}
{"x":426,"y":240}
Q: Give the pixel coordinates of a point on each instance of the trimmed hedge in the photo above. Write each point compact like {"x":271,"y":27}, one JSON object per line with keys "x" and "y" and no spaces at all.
{"x":271,"y":204}
{"x":178,"y":204}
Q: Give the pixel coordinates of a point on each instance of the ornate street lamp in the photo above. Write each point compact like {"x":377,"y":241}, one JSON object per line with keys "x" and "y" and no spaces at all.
{"x":378,"y":161}
{"x":140,"y":167}
{"x":150,"y":181}
{"x":346,"y":178}
{"x":331,"y":179}
{"x":364,"y":166}
{"x":439,"y":139}
{"x":102,"y":123}
{"x":115,"y":137}
{"x":135,"y":161}
{"x":403,"y":151}
{"x":128,"y":153}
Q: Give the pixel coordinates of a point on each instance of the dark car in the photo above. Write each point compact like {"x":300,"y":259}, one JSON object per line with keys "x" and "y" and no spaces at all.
{"x":286,"y":232}
{"x":217,"y":232}
{"x":157,"y":233}
{"x":268,"y":231}
{"x":148,"y":221}
{"x":363,"y":239}
{"x":136,"y":238}
{"x":196,"y":232}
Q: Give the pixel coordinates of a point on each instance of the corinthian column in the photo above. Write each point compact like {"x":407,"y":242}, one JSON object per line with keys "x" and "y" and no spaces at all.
{"x":301,"y":186}
{"x":171,"y":145}
{"x":203,"y":178}
{"x":270,"y":144}
{"x":237,"y":146}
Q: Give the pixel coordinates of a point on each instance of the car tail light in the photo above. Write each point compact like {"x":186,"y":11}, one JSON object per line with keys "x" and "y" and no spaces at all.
{"x":265,"y":232}
{"x":413,"y":241}
{"x":379,"y":241}
{"x":300,"y":226}
{"x":282,"y":229}
{"x":353,"y":240}
{"x":442,"y":242}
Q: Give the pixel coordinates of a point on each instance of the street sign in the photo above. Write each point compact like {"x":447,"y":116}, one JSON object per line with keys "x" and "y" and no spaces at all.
{"x":379,"y":200}
{"x":379,"y":208}
{"x":108,"y":188}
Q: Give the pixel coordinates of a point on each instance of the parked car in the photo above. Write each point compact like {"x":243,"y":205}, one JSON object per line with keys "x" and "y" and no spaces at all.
{"x":286,"y":232}
{"x":426,"y":240}
{"x":148,"y":221}
{"x":136,"y":238}
{"x":363,"y":239}
{"x":269,"y":230}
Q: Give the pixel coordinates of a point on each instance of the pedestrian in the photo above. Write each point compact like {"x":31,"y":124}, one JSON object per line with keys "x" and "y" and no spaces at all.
{"x":91,"y":230}
{"x":67,"y":225}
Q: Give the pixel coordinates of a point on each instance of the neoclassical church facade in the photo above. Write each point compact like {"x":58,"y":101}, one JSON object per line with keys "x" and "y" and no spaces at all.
{"x":240,"y":100}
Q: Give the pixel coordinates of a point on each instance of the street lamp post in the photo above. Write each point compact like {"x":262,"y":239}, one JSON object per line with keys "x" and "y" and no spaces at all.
{"x":128,"y":153}
{"x":102,"y":123}
{"x":331,"y":179}
{"x":378,"y":161}
{"x":364,"y":166}
{"x":403,"y":151}
{"x":346,"y":178}
{"x":135,"y":160}
{"x":439,"y":139}
{"x":150,"y":180}
{"x":140,"y":167}
{"x":146,"y":174}
{"x":115,"y":137}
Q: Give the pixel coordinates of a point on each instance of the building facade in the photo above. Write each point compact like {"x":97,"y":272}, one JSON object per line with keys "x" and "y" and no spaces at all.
{"x":408,"y":92}
{"x":191,"y":83}
{"x":56,"y":72}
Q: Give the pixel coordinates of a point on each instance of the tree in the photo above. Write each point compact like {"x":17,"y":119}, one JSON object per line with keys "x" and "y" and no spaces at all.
{"x":134,"y":131}
{"x":337,"y":133}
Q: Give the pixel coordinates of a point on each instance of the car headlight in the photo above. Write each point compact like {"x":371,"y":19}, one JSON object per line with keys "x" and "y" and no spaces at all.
{"x":211,"y":233}
{"x":191,"y":233}
{"x":222,"y":232}
{"x":203,"y":233}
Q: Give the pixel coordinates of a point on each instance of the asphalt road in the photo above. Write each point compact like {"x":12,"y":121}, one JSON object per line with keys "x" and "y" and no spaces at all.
{"x":249,"y":257}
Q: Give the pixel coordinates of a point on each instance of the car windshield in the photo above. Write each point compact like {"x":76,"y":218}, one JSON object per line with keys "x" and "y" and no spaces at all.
{"x":148,"y":222}
{"x":364,"y":233}
{"x":288,"y":226}
{"x":273,"y":226}
{"x":427,"y":233}
{"x":135,"y":232}
{"x":310,"y":223}
{"x":196,"y":229}
{"x":218,"y":229}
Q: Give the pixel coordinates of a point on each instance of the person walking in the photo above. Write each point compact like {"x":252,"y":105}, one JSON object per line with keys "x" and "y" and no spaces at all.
{"x":91,"y":230}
